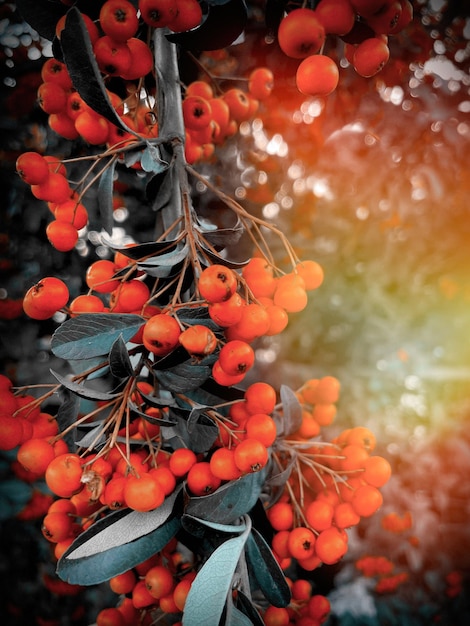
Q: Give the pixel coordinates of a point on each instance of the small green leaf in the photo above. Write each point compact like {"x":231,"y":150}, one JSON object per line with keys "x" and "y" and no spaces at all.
{"x":118,"y":542}
{"x":148,"y":249}
{"x":82,"y":391}
{"x":119,"y":361}
{"x":208,"y":594}
{"x":167,"y":260}
{"x":93,"y":334}
{"x":67,"y":414}
{"x":266,"y":570}
{"x":199,"y":438}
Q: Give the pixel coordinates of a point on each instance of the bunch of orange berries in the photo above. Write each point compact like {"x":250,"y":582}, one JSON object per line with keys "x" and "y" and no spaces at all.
{"x":331,"y":486}
{"x":363,"y":26}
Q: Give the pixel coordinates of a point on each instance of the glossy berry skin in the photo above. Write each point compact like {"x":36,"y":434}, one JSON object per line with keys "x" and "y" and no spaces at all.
{"x":301,"y":33}
{"x":317,"y":75}
{"x":161,"y":334}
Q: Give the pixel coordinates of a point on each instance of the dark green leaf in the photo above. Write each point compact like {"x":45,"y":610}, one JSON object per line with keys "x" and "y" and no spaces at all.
{"x":93,"y":334}
{"x":196,"y":315}
{"x":83,"y":69}
{"x":150,"y":249}
{"x":82,"y":391}
{"x":266,"y":570}
{"x":42,"y":16}
{"x":292,"y":410}
{"x":223,"y":24}
{"x":248,"y":608}
{"x":67,"y":414}
{"x":158,"y":421}
{"x":230,"y":501}
{"x":167,"y":259}
{"x":208,"y":594}
{"x":235,"y":617}
{"x":105,"y":195}
{"x":118,"y":542}
{"x":183,"y":377}
{"x":199,"y":438}
{"x":217,"y":258}
{"x":220,"y":391}
{"x":92,"y":438}
{"x":223,"y":236}
{"x":119,"y":361}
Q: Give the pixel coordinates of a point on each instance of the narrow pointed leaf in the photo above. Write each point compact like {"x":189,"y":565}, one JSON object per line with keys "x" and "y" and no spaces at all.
{"x":247,"y":607}
{"x":82,"y":391}
{"x":93,"y":334}
{"x":67,"y":414}
{"x":266,"y":570}
{"x":83,"y":68}
{"x":167,"y":259}
{"x":208,"y":594}
{"x":150,"y":249}
{"x":119,"y":361}
{"x":217,"y":258}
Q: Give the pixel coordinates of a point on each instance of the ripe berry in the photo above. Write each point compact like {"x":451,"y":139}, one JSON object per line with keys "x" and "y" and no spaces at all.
{"x":301,"y":33}
{"x":157,"y":13}
{"x":236,"y":357}
{"x":200,"y":480}
{"x":100,"y":276}
{"x":161,"y":333}
{"x":217,"y":283}
{"x":301,"y":543}
{"x":118,"y":19}
{"x":198,"y":340}
{"x":32,"y":168}
{"x":250,"y":455}
{"x":62,"y":235}
{"x":317,"y":75}
{"x":370,"y":56}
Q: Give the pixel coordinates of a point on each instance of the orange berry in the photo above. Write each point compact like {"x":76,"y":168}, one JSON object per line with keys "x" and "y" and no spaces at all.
{"x":143,"y":493}
{"x":366,"y":500}
{"x":223,"y":464}
{"x":159,"y":581}
{"x":319,"y":515}
{"x":201,"y":480}
{"x":281,"y":516}
{"x":331,"y":545}
{"x":250,"y":455}
{"x":377,"y":471}
{"x":301,"y":543}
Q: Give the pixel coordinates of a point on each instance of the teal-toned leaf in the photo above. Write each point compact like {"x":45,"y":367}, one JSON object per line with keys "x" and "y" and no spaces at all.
{"x":165,"y":260}
{"x":292,"y":410}
{"x":67,"y":415}
{"x":230,"y":501}
{"x":119,"y":542}
{"x":199,"y":438}
{"x":222,"y":237}
{"x":82,"y":391}
{"x":98,"y":364}
{"x":208,"y":594}
{"x":266,"y":570}
{"x":159,"y":401}
{"x":147,"y":250}
{"x":183,"y":377}
{"x":119,"y":361}
{"x":235,"y":617}
{"x":83,"y":68}
{"x":93,"y":334}
{"x":248,"y":608}
{"x":197,"y":315}
{"x":151,"y":160}
{"x":158,"y":421}
{"x":222,"y":25}
{"x":94,"y":438}
{"x":105,"y":195}
{"x":218,"y":258}
{"x":220,"y":528}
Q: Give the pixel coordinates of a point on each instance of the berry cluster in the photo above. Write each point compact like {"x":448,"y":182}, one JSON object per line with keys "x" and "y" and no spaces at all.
{"x":362,"y":25}
{"x":331,"y":485}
